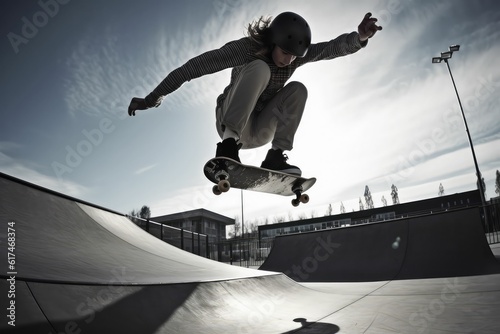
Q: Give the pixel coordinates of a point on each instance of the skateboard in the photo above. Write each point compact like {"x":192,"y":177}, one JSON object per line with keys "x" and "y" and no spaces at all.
{"x":227,"y":173}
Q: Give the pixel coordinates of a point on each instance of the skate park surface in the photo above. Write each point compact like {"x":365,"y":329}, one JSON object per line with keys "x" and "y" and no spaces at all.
{"x":80,"y":268}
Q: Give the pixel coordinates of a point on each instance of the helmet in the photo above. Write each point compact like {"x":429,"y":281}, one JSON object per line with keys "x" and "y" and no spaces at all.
{"x":291,"y":32}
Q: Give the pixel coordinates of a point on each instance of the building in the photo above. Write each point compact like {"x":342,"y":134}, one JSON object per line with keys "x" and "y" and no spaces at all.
{"x":441,"y":203}
{"x":199,"y":221}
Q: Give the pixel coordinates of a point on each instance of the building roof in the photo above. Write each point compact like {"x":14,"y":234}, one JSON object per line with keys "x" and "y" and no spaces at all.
{"x":194,"y":214}
{"x":415,"y":207}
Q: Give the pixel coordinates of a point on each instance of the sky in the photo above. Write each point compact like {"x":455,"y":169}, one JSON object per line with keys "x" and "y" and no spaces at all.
{"x":383,"y":116}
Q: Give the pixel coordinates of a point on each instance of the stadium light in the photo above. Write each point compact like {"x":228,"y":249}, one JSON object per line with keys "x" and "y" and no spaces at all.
{"x":446,"y":56}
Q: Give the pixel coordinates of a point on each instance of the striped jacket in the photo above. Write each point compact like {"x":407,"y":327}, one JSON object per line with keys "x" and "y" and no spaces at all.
{"x":237,"y":54}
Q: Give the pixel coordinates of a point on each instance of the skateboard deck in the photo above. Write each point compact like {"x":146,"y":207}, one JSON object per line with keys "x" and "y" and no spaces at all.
{"x":227,"y":173}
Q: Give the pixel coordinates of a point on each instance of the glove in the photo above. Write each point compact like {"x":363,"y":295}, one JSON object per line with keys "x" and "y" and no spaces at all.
{"x":137,"y":103}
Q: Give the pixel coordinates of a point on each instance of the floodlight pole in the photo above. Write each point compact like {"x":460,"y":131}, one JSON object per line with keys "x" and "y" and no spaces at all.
{"x":478,"y":173}
{"x":445,"y":57}
{"x":242,"y":217}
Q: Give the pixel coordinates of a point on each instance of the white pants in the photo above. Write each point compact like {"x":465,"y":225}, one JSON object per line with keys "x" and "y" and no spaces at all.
{"x":276,"y":123}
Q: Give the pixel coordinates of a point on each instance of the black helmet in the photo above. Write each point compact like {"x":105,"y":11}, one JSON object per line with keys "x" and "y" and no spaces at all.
{"x":291,"y":32}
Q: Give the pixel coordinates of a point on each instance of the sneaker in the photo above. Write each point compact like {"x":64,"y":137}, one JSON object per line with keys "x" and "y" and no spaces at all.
{"x":276,"y":160}
{"x":228,"y":148}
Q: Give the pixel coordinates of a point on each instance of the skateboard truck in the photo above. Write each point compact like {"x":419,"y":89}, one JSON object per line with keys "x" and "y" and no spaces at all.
{"x":301,"y":198}
{"x":223,"y":184}
{"x":222,"y":177}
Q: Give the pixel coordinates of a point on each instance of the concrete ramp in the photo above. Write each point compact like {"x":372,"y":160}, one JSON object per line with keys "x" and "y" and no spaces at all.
{"x":446,"y":244}
{"x":79,"y":268}
{"x":62,"y":240}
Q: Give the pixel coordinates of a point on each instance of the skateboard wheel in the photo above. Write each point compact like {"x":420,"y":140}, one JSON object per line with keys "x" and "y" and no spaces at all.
{"x":223,"y":186}
{"x":304,"y":198}
{"x":295,"y":202}
{"x":216,"y":190}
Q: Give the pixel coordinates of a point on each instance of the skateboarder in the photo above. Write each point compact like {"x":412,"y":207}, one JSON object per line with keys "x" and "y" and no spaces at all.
{"x":258,"y":106}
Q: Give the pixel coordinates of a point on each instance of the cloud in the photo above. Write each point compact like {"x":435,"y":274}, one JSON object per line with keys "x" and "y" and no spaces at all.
{"x":145,"y":169}
{"x":27,"y":171}
{"x":379,"y":114}
{"x":186,"y":199}
{"x":9,"y":146}
{"x":23,"y":171}
{"x":105,"y":74}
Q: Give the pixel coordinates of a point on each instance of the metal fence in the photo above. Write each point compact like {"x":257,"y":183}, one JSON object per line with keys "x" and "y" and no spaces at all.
{"x":492,"y":222}
{"x":242,"y":252}
{"x":189,"y":241}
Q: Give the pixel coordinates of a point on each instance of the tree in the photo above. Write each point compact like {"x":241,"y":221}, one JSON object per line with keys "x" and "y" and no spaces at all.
{"x":250,"y":229}
{"x":253,"y":230}
{"x":441,"y":190}
{"x":145,"y":212}
{"x":236,"y":228}
{"x":497,"y":183}
{"x":394,"y":194}
{"x":329,"y":211}
{"x":483,"y":184}
{"x":133,"y":217}
{"x":278,"y":219}
{"x":368,"y":198}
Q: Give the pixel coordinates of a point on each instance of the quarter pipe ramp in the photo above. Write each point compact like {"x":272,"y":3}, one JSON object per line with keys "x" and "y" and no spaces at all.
{"x":446,"y":244}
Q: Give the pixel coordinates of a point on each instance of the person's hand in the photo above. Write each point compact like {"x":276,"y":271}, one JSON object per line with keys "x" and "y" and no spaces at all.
{"x":136,"y":104}
{"x":367,"y":28}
